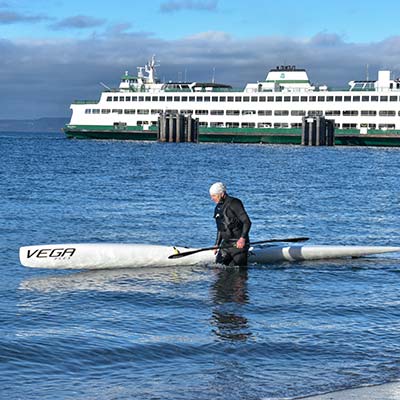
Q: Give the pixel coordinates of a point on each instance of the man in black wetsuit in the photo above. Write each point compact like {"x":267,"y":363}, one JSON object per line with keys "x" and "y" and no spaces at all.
{"x":233,"y":226}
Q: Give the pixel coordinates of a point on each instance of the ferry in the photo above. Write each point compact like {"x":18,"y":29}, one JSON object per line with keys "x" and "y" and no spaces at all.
{"x":268,"y":111}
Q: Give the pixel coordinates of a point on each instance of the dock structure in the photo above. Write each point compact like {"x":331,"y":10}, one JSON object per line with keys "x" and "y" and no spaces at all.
{"x":317,"y":131}
{"x":177,"y":127}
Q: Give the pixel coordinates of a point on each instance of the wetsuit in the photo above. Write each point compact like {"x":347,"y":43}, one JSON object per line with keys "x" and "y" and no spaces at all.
{"x":232,"y":224}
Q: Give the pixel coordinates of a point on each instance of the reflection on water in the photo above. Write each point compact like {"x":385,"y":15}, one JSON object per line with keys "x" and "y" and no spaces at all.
{"x":229,"y":294}
{"x":113,"y":280}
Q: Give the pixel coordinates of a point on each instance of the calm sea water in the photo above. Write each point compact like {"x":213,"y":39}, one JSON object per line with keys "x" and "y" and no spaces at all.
{"x":275,"y":331}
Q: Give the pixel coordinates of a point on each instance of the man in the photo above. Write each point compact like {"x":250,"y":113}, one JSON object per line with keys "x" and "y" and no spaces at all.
{"x":233,"y":226}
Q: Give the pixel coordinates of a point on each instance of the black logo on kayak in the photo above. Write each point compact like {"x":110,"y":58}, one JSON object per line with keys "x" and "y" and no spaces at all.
{"x":58,"y":253}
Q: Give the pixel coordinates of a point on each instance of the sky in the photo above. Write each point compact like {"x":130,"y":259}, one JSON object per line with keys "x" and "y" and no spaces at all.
{"x":55,"y":51}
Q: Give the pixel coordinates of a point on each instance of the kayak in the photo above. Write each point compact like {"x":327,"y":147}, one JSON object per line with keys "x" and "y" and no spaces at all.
{"x":117,"y":255}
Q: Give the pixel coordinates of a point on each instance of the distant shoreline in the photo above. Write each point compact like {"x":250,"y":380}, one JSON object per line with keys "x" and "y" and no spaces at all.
{"x":39,"y":125}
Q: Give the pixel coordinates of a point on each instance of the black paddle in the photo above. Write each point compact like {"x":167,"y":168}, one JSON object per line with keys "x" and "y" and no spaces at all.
{"x":188,"y":253}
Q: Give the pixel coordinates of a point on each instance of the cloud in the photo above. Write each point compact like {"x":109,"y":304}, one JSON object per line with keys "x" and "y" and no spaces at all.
{"x":9,"y":17}
{"x":42,"y":78}
{"x":78,"y":22}
{"x":179,"y":5}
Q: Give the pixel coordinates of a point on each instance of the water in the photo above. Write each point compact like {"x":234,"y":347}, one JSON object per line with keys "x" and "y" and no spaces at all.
{"x":273,"y":332}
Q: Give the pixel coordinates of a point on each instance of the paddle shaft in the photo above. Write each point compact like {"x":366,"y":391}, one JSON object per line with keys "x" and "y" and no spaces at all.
{"x":188,"y":253}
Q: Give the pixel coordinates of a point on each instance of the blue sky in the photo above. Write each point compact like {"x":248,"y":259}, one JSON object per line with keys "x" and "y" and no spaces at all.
{"x":46,"y":45}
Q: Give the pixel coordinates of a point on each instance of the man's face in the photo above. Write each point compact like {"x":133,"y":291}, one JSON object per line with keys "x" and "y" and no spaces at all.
{"x":216,"y":198}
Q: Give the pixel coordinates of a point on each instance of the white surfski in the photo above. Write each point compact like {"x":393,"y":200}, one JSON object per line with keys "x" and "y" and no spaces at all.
{"x":114,"y":255}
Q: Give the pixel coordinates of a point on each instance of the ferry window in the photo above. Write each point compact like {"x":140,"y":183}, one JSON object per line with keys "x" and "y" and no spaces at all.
{"x":248,"y":112}
{"x":278,"y":98}
{"x":347,"y":98}
{"x":374,"y":98}
{"x":232,"y":112}
{"x":281,"y":125}
{"x":128,"y":98}
{"x":217,"y":112}
{"x":386,"y":126}
{"x":121,"y":98}
{"x":156,"y":111}
{"x":329,"y":98}
{"x":246,"y":98}
{"x":281,"y":112}
{"x":386,"y":113}
{"x":270,"y":98}
{"x":321,"y":98}
{"x":372,"y":126}
{"x":116,"y":111}
{"x":264,"y":112}
{"x":232,"y":124}
{"x":286,"y":98}
{"x":141,"y":98}
{"x":134,"y":98}
{"x":368,"y":113}
{"x":177,"y":98}
{"x":109,"y":98}
{"x":169,"y":98}
{"x":315,"y":113}
{"x":199,"y":98}
{"x":349,"y":126}
{"x":365,"y":98}
{"x":254,"y":98}
{"x":154,"y":98}
{"x":148,"y":98}
{"x":192,"y":98}
{"x":334,"y":113}
{"x":115,"y":98}
{"x":184,"y":98}
{"x":304,"y":98}
{"x":312,"y":98}
{"x":393,"y":98}
{"x":203,"y":124}
{"x":356,"y":98}
{"x":127,"y":111}
{"x":88,"y":111}
{"x":214,"y":98}
{"x":296,"y":125}
{"x":207,"y":98}
{"x":222,"y":98}
{"x":230,"y":98}
{"x":216,"y":124}
{"x":297,"y":113}
{"x":348,"y":113}
{"x":105,"y":111}
{"x":238,"y":98}
{"x":262,"y":98}
{"x":201,"y":112}
{"x":264,"y":125}
{"x":248,"y":125}
{"x":143,"y":111}
{"x":295,"y":98}
{"x":186,"y":111}
{"x":338,"y":98}
{"x":384,"y":98}
{"x":96,"y":111}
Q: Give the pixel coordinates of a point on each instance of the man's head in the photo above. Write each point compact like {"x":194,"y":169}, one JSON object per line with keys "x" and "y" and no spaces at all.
{"x":217,"y":191}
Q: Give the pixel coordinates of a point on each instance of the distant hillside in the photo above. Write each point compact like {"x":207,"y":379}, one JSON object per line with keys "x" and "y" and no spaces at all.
{"x":33,"y":125}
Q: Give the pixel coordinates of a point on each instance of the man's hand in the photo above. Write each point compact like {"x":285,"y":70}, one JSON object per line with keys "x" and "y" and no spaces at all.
{"x":216,"y":249}
{"x":241,"y":243}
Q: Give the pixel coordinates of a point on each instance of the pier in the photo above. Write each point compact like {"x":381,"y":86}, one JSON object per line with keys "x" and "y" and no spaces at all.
{"x":317,"y":131}
{"x":177,"y":127}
